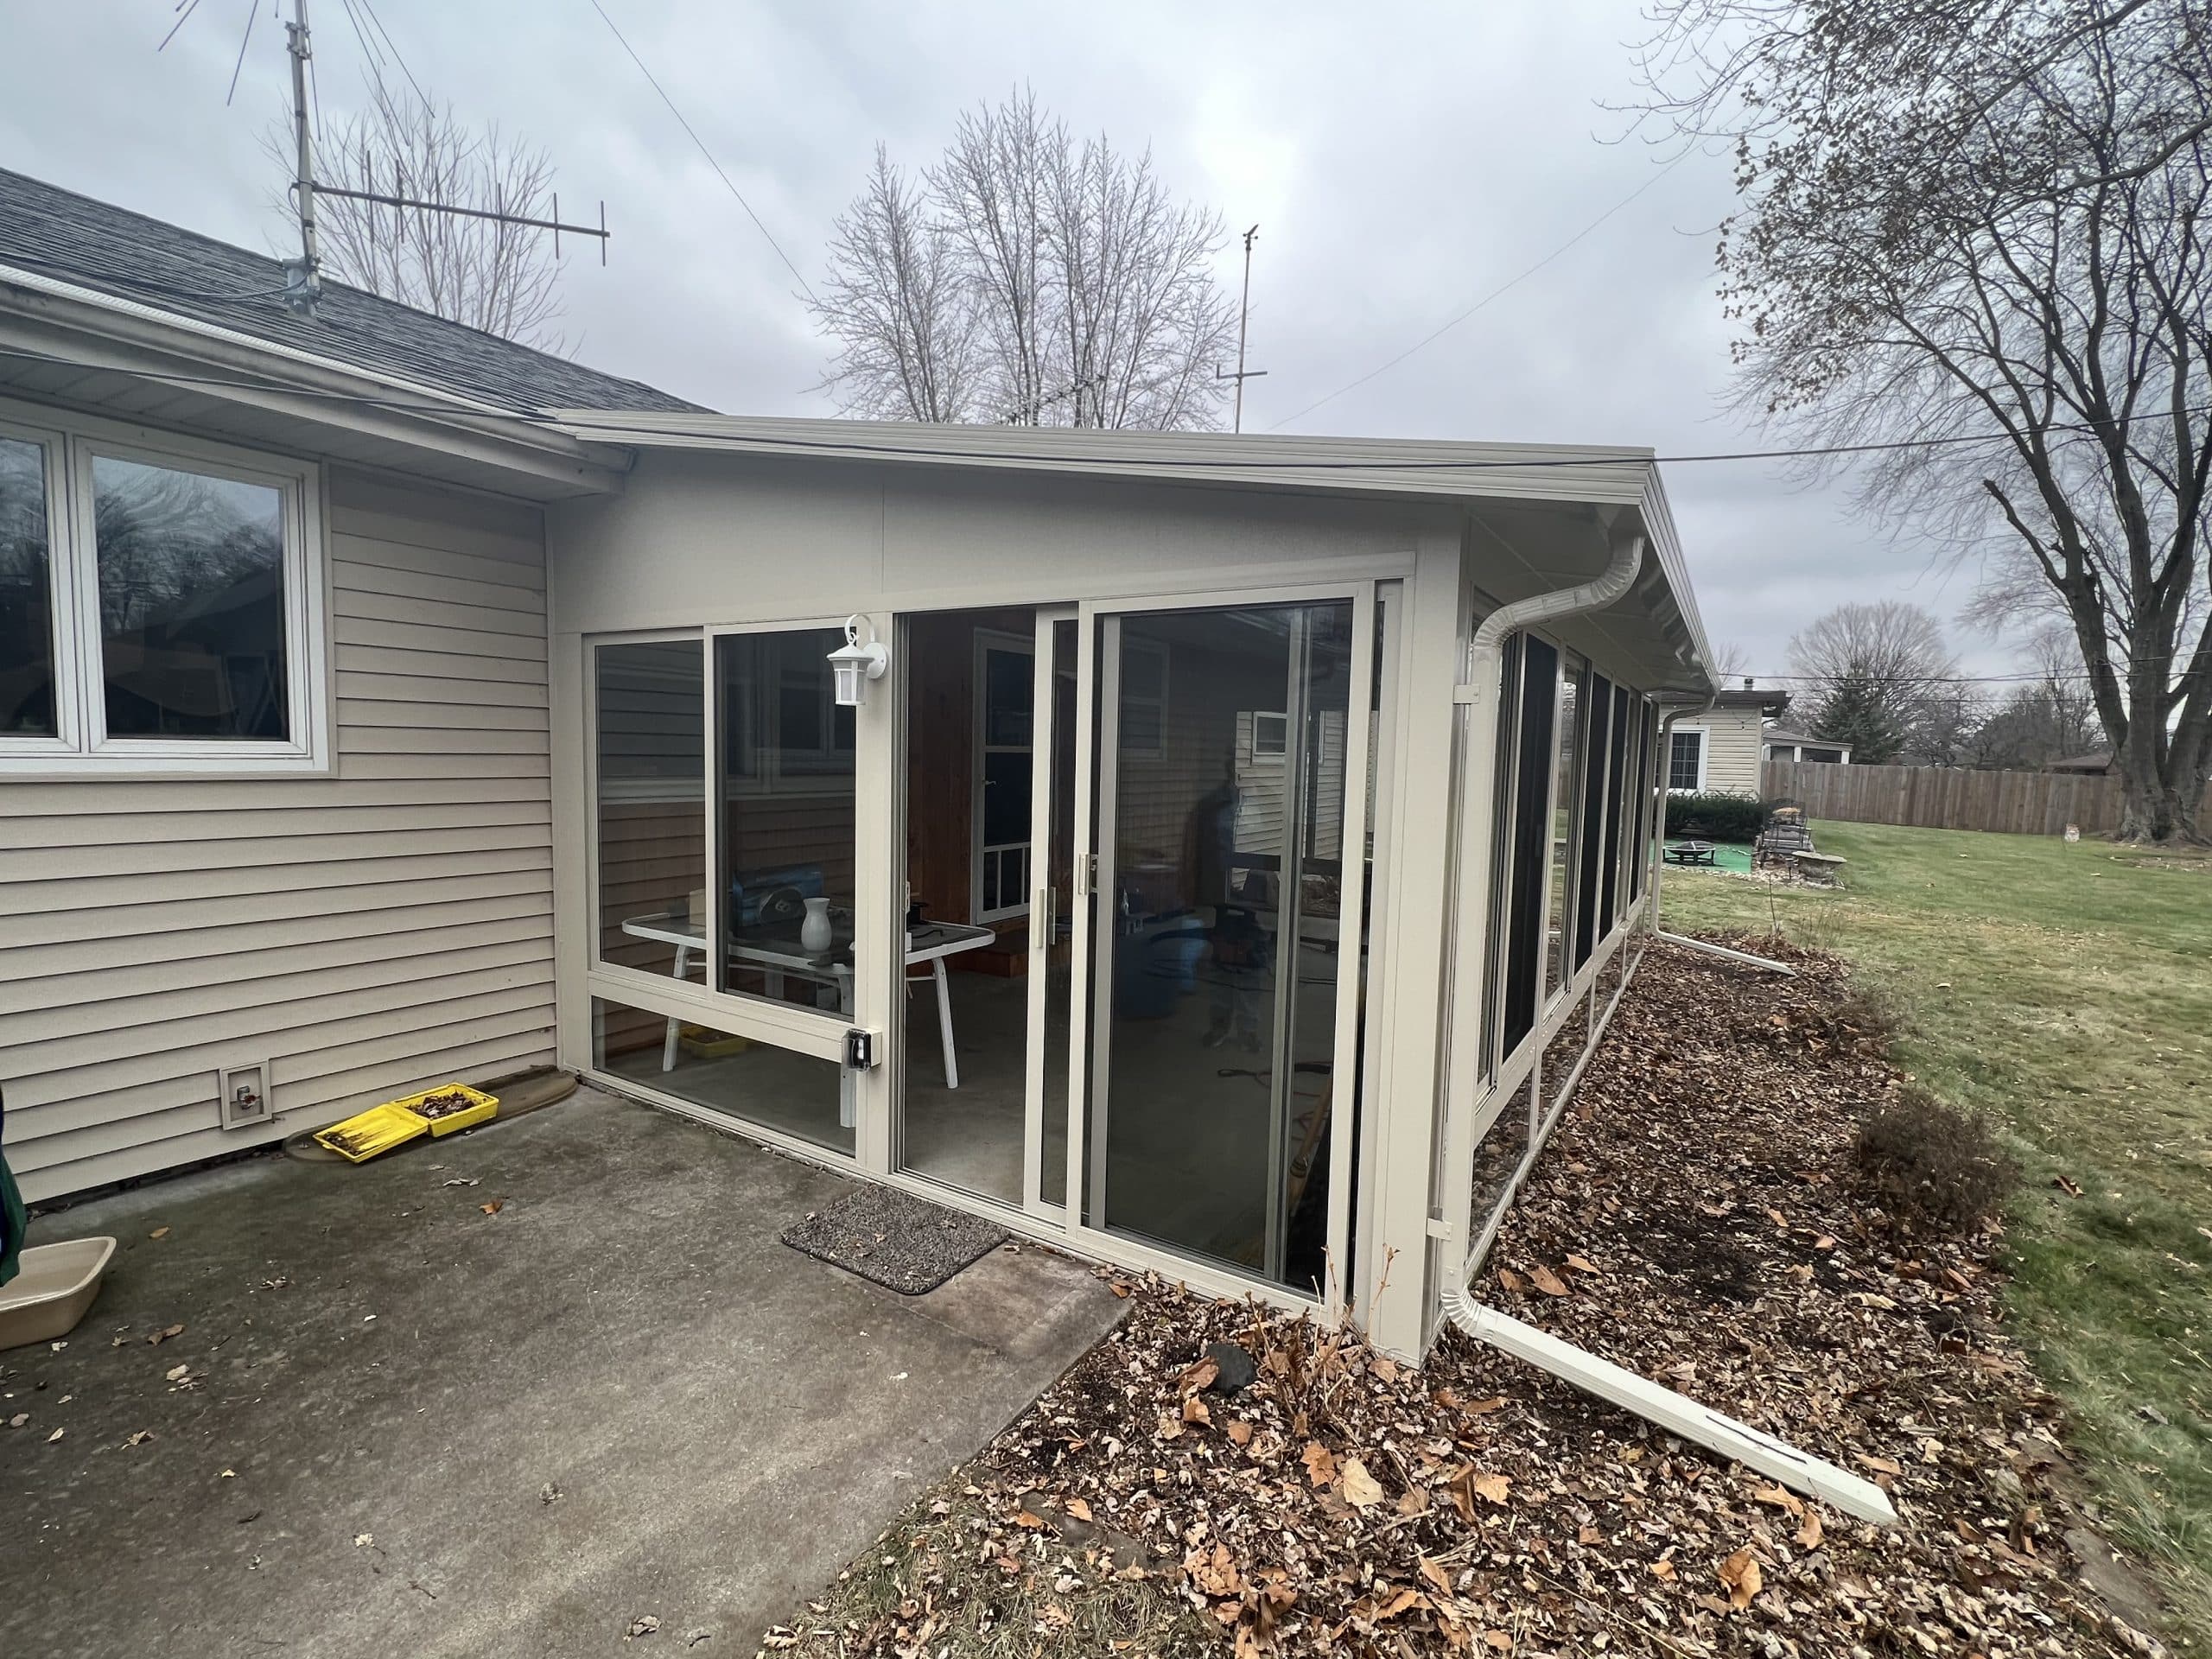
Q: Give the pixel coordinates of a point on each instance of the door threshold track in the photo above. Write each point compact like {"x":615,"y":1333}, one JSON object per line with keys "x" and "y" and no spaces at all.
{"x":1677,"y":1414}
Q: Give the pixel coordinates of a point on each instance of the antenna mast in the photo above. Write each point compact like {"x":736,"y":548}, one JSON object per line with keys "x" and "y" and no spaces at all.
{"x":303,"y":277}
{"x":303,"y":282}
{"x":1243,"y":312}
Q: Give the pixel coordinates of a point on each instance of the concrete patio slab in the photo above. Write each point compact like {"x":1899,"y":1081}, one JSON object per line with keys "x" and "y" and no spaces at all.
{"x":408,"y":1426}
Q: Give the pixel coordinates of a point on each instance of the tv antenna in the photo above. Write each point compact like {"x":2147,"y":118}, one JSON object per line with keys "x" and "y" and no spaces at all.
{"x":1243,"y":313}
{"x":303,"y":277}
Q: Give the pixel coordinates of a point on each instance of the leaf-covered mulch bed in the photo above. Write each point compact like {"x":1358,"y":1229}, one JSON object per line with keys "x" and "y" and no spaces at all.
{"x":1696,"y":1219}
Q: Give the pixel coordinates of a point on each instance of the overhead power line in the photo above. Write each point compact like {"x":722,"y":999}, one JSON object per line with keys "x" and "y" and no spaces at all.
{"x":1503,"y":288}
{"x":727,"y":184}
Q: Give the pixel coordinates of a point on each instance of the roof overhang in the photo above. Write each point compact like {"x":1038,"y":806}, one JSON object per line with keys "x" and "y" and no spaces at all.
{"x":62,"y":343}
{"x":1539,"y":516}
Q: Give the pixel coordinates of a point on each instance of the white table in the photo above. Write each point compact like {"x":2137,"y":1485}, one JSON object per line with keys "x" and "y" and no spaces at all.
{"x":931,"y":943}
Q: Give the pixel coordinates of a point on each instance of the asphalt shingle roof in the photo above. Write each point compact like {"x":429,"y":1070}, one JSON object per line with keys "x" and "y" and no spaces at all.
{"x":57,"y":233}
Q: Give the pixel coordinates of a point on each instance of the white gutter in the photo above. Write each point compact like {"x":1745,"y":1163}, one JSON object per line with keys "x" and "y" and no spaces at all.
{"x":1677,"y":1414}
{"x":1659,"y":861}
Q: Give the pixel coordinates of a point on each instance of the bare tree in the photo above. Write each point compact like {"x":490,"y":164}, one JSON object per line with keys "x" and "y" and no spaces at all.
{"x":1731,"y":659}
{"x":1029,"y":279}
{"x":499,"y":278}
{"x":1875,"y":676}
{"x":1977,"y":229}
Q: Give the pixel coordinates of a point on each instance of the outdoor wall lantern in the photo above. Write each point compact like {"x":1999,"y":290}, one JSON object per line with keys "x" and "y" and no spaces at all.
{"x":857,"y":664}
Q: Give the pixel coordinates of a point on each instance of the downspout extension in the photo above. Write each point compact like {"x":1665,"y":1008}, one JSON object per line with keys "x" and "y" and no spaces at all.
{"x":1677,"y":1414}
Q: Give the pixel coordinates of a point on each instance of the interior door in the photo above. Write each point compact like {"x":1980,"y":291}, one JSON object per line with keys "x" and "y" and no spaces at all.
{"x":1221,"y":779}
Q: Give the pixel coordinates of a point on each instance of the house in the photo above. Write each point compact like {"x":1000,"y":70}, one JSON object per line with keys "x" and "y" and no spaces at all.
{"x":2096,"y":764}
{"x":1201,"y":852}
{"x":1796,"y":746}
{"x":1718,"y":750}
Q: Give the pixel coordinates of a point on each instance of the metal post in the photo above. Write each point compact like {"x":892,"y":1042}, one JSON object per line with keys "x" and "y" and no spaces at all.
{"x":307,"y":288}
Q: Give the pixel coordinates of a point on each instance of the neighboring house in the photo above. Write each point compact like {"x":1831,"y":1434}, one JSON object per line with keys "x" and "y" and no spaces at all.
{"x":387,"y":704}
{"x":1796,"y":745}
{"x":2096,"y":764}
{"x":1717,"y":751}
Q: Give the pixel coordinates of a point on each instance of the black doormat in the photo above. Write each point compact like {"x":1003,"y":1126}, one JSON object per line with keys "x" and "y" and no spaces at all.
{"x":893,"y":1239}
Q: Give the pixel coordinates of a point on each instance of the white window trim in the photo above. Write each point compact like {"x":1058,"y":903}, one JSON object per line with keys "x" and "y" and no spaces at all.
{"x":1704,"y":758}
{"x":1260,"y":757}
{"x":987,"y":641}
{"x":80,"y":746}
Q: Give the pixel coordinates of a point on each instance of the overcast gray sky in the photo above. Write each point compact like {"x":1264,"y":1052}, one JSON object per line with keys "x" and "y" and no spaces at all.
{"x":1400,"y":162}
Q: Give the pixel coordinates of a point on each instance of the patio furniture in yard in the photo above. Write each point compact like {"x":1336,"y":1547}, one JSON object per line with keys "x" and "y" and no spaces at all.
{"x":1820,"y":869}
{"x":1690,"y":852}
{"x":774,"y":949}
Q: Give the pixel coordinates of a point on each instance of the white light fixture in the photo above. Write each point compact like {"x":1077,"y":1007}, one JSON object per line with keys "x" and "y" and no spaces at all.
{"x":857,"y":664}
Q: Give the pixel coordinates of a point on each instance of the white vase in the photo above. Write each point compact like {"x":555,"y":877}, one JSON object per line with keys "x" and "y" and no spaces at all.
{"x":815,"y":933}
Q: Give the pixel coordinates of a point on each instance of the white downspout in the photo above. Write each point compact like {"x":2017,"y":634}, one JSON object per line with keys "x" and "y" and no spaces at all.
{"x":1472,"y":918}
{"x":1675,"y":1412}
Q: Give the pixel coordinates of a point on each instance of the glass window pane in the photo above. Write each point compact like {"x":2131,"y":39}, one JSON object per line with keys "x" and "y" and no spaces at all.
{"x":1223,"y":961}
{"x":652,"y":805}
{"x":1686,"y":750}
{"x":753,"y":1081}
{"x":192,"y":603}
{"x":26,"y":594}
{"x":1570,"y":720}
{"x":788,"y":830}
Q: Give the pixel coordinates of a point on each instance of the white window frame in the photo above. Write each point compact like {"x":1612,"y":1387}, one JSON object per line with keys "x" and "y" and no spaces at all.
{"x":81,"y":746}
{"x":1703,"y":735}
{"x":1279,"y":726}
{"x":1157,"y":703}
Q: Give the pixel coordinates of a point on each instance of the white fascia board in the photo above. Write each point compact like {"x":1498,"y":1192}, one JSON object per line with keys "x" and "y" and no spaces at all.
{"x":190,"y":345}
{"x":1596,"y":476}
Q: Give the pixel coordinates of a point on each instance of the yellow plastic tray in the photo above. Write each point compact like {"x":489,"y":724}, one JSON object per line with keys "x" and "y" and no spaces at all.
{"x":368,"y":1135}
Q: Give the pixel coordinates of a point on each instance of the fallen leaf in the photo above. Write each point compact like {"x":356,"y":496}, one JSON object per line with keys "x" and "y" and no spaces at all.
{"x":1360,"y":1490}
{"x":1664,"y":1568}
{"x":1395,"y":1603}
{"x":56,"y":1435}
{"x":362,"y":1540}
{"x":159,"y":1232}
{"x":1589,"y":1534}
{"x":1583,"y":1264}
{"x":140,"y":1437}
{"x":1384,"y":1368}
{"x":2067,"y":1185}
{"x":19,"y":1420}
{"x":1780,"y":1496}
{"x":228,"y":1474}
{"x":1321,"y":1464}
{"x":1240,"y":1432}
{"x":1077,"y":1508}
{"x":1483,"y":1408}
{"x":1195,"y":1411}
{"x":1886,"y":1466}
{"x":1119,"y":1289}
{"x":1198,"y":1377}
{"x":1740,"y":1573}
{"x":1808,"y":1535}
{"x":177,"y":1373}
{"x":1547,"y":1281}
{"x":644,"y":1625}
{"x":1825,"y":1242}
{"x":1496,"y":1488}
{"x":1034,"y":1522}
{"x":493,"y":1209}
{"x":1436,"y":1576}
{"x":165,"y":1333}
{"x":1512,"y":1281}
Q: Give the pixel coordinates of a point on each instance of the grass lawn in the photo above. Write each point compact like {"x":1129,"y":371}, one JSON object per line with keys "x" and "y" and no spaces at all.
{"x":2065,"y":991}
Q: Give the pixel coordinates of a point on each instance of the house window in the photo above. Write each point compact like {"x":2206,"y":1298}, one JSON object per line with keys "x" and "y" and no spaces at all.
{"x":1686,"y":761}
{"x":160,"y":606}
{"x":1270,"y":736}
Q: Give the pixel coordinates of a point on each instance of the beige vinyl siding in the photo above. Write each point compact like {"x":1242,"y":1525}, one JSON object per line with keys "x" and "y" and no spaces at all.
{"x":365,"y":934}
{"x":1733,"y":738}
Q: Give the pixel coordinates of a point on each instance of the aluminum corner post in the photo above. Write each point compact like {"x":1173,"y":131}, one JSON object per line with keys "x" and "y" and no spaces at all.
{"x":1656,"y":862}
{"x":1471,"y":900}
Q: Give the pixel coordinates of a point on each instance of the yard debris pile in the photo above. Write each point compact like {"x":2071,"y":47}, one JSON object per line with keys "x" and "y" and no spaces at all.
{"x":1694,"y":1219}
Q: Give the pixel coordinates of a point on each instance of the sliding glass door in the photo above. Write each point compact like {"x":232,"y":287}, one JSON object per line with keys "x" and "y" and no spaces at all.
{"x":1216,"y":1045}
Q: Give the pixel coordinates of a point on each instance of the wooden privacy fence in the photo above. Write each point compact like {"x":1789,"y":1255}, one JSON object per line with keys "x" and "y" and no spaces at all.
{"x":1948,"y":797}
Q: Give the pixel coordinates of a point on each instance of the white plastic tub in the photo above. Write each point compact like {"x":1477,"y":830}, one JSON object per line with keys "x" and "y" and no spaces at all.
{"x":54,"y":1290}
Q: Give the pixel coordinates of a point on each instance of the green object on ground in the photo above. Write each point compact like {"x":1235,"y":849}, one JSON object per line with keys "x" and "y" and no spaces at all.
{"x":13,"y":1220}
{"x":1727,"y":856}
{"x":2065,"y":991}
